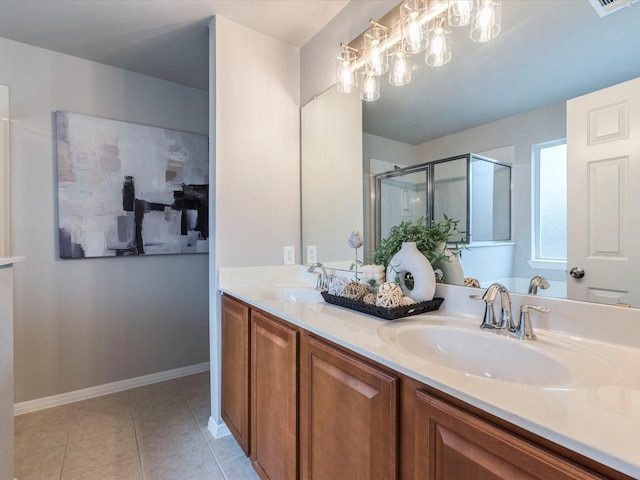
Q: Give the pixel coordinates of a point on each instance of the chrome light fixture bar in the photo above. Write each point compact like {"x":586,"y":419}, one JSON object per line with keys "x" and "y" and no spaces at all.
{"x":409,"y":28}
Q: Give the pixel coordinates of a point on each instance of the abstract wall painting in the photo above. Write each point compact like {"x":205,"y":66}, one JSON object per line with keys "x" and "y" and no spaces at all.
{"x":128,"y":189}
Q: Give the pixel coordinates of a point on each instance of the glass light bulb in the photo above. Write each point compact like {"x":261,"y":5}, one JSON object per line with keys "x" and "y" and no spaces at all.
{"x":438,"y":52}
{"x":486,"y":25}
{"x":460,"y":12}
{"x":345,"y":74}
{"x":376,"y":60}
{"x":345,"y":79}
{"x":415,"y":36}
{"x":400,"y":73}
{"x":370,"y":87}
{"x":375,"y":43}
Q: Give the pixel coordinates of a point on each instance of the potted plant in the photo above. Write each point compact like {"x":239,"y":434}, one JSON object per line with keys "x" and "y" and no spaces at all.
{"x":430,"y":240}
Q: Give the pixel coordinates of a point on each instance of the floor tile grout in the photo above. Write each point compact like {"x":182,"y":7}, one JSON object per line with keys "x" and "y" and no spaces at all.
{"x":113,"y":411}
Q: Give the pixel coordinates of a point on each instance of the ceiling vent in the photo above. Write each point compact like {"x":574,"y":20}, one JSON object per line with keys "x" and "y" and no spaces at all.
{"x":605,"y":7}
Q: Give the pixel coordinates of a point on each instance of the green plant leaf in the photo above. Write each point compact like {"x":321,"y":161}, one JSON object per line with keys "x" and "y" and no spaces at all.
{"x":427,"y":238}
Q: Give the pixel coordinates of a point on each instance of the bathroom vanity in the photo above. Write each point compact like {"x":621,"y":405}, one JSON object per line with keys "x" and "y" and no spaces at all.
{"x":311,"y":390}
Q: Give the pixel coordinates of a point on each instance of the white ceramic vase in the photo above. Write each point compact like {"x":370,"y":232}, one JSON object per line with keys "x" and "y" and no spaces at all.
{"x":410,"y":260}
{"x":451,"y":270}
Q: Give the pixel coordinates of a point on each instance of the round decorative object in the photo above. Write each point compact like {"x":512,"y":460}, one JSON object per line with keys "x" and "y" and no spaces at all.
{"x":389,"y":295}
{"x":355,"y":290}
{"x":451,"y":269}
{"x":369,"y":298}
{"x":407,"y":301}
{"x":471,"y":282}
{"x":373,"y":274}
{"x":410,"y":260}
{"x":355,"y":239}
{"x":337,"y":286}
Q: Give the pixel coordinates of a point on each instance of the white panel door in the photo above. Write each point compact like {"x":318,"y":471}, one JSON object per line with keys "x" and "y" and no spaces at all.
{"x":603,"y":148}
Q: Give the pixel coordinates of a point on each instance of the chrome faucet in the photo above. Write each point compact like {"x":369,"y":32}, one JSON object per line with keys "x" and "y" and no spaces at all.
{"x":489,"y":320}
{"x":537,"y":282}
{"x":524,"y":330}
{"x":357,"y":263}
{"x":324,"y":280}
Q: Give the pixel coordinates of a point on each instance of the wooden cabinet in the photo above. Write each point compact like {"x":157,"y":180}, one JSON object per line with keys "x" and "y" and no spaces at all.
{"x":302,"y":407}
{"x":454,"y":444}
{"x":348,"y":416}
{"x":274,"y":399}
{"x":235,"y":369}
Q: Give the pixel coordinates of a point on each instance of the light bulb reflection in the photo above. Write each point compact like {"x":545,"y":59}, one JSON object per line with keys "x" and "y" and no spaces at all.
{"x":414,"y":37}
{"x":400,"y":73}
{"x":460,"y":12}
{"x":370,"y":87}
{"x":375,"y":43}
{"x":439,"y":45}
{"x":486,"y":25}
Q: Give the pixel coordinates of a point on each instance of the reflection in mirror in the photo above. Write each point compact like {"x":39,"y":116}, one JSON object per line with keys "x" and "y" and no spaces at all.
{"x":331,"y":177}
{"x":500,"y":100}
{"x":479,"y":201}
{"x":5,"y":206}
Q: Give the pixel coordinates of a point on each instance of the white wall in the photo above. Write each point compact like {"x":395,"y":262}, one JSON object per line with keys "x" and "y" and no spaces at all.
{"x":82,"y":323}
{"x":255,"y":121}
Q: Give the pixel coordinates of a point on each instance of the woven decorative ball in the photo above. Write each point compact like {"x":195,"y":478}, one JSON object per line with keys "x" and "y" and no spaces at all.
{"x":355,"y":290}
{"x":337,"y":286}
{"x":471,"y":282}
{"x":369,"y":299}
{"x":407,"y":301}
{"x":389,"y":295}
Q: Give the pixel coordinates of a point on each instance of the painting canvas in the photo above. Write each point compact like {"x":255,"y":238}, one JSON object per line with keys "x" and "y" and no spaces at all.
{"x":128,"y":189}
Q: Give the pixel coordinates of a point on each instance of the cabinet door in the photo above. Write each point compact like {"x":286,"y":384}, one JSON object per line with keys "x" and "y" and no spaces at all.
{"x":235,"y":369}
{"x":452,"y":444}
{"x":274,"y":412}
{"x":348,"y":416}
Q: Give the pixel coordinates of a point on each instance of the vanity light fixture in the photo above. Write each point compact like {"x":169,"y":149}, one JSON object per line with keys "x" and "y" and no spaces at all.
{"x":403,"y":32}
{"x":346,"y":69}
{"x":439,"y":50}
{"x":486,"y":23}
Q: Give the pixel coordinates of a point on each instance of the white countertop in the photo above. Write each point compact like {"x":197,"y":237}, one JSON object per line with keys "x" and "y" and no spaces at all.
{"x":599,"y":421}
{"x":10,"y":260}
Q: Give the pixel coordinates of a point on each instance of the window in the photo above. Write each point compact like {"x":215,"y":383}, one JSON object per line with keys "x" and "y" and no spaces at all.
{"x":549,"y":245}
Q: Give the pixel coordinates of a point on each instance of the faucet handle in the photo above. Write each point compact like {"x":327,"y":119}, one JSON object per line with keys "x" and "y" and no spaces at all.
{"x":489,"y":318}
{"x":524,"y":330}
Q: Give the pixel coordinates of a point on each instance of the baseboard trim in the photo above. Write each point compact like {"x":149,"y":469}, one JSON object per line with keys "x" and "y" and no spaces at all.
{"x":218,"y":430}
{"x":97,"y":391}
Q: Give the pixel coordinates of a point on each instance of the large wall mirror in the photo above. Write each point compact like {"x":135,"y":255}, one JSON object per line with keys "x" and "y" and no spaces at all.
{"x":505,"y":100}
{"x":5,"y":192}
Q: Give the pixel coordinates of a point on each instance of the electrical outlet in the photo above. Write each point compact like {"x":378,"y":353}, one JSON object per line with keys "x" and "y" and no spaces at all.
{"x":290,"y":255}
{"x":312,"y":254}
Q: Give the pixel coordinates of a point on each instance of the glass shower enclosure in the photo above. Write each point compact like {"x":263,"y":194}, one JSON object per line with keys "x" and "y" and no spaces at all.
{"x":470,"y":188}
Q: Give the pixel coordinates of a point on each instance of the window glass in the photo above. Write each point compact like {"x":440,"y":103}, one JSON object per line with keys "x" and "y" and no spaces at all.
{"x":550,"y":202}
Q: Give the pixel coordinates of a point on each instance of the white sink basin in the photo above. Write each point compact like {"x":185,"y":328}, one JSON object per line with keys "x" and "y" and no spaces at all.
{"x":294,"y":293}
{"x":547,"y":361}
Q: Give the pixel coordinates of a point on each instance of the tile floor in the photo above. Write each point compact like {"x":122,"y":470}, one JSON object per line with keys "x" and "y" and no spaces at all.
{"x":155,"y":432}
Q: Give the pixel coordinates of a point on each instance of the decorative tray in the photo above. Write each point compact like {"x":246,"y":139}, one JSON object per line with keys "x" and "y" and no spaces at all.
{"x":383,"y":312}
